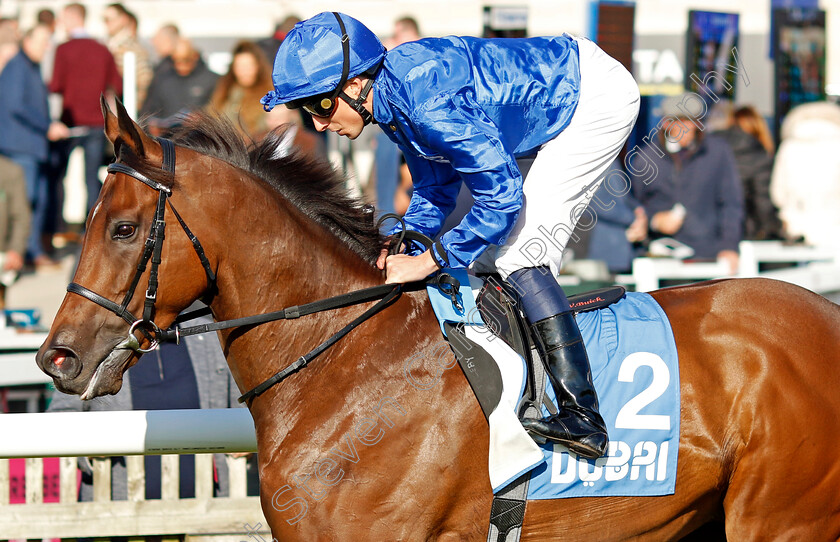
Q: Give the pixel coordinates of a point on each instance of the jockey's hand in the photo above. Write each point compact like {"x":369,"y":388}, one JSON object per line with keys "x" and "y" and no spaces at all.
{"x":380,"y":262}
{"x":402,"y":268}
{"x":386,"y":248}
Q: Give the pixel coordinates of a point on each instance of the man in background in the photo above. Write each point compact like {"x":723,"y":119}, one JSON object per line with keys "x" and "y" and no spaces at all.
{"x":84,"y":70}
{"x":25,"y":118}
{"x":175,"y":92}
{"x":164,"y":42}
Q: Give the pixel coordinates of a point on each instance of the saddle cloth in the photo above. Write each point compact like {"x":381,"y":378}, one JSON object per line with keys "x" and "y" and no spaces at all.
{"x":636,"y":375}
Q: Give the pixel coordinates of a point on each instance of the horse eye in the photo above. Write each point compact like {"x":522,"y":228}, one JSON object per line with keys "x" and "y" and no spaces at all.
{"x":124,"y":231}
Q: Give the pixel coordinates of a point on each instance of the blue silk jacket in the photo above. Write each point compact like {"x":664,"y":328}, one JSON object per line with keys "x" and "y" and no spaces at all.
{"x":463,"y":109}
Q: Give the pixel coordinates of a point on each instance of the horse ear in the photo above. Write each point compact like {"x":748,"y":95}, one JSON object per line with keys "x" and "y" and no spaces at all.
{"x":128,"y":132}
{"x":112,"y":127}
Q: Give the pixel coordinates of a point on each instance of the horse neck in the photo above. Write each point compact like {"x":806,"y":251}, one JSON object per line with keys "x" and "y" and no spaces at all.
{"x":275,"y":256}
{"x":393,"y":370}
{"x":271,"y":258}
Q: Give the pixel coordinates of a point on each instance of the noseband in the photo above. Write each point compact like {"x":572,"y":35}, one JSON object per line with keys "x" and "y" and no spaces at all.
{"x":152,"y":251}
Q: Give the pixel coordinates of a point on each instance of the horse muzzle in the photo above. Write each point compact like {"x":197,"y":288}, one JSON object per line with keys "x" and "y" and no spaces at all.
{"x":74,"y":376}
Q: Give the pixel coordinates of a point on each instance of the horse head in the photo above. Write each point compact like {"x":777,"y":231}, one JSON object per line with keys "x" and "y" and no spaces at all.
{"x":118,"y":232}
{"x":263,"y":218}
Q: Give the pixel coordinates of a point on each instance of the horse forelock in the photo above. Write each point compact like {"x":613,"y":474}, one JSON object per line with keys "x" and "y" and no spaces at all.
{"x":311,"y":185}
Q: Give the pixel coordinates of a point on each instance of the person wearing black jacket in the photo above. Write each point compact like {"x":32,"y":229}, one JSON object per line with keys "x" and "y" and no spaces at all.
{"x":175,"y":92}
{"x":755,"y":166}
{"x":695,"y":194}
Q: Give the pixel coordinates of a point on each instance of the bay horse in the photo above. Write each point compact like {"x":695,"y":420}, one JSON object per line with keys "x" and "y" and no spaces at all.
{"x":351,"y":448}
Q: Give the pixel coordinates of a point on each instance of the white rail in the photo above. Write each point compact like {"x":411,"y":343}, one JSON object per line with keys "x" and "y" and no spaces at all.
{"x":814,"y":268}
{"x":135,"y":432}
{"x":129,"y":433}
{"x":217,"y":519}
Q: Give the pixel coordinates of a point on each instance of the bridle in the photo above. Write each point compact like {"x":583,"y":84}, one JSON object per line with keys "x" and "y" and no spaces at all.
{"x":385,"y":293}
{"x":151,"y":252}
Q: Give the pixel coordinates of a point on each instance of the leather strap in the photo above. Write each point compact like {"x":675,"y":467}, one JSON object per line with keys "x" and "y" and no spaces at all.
{"x":168,"y":149}
{"x":117,"y":167}
{"x":122,"y":312}
{"x":301,"y":362}
{"x":289,"y":313}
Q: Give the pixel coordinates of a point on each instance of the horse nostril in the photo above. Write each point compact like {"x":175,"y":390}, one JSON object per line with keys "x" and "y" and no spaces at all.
{"x":58,"y":359}
{"x":65,"y":363}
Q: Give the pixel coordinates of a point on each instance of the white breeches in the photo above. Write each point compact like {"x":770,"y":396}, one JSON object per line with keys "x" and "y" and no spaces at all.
{"x":561,"y":178}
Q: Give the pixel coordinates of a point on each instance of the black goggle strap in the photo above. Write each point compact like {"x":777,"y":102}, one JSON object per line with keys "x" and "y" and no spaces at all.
{"x":345,"y":47}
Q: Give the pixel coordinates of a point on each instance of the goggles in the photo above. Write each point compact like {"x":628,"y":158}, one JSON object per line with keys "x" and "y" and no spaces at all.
{"x":323,"y":106}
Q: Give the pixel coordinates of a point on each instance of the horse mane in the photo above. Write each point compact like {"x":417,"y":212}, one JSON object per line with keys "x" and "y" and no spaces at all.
{"x":310,"y":184}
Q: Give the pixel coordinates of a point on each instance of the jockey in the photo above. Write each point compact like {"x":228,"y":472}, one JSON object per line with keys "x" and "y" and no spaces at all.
{"x":528,"y":125}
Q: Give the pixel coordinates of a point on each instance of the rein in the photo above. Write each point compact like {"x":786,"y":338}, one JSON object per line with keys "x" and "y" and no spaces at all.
{"x":386,"y":293}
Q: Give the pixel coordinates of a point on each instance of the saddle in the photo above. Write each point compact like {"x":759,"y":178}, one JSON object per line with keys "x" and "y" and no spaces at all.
{"x":498,"y":306}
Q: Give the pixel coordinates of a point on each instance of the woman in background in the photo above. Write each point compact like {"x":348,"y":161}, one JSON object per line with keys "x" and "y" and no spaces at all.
{"x":752,"y":145}
{"x":238,"y":92}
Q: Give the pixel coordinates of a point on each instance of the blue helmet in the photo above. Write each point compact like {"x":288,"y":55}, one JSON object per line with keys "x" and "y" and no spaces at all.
{"x":311,"y":59}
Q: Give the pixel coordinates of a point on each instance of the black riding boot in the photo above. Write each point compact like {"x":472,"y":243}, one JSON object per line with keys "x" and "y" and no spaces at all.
{"x":577,"y":425}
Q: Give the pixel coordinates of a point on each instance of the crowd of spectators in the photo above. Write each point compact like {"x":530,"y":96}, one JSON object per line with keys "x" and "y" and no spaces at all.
{"x":700,"y":185}
{"x":712,"y":189}
{"x":52,"y":74}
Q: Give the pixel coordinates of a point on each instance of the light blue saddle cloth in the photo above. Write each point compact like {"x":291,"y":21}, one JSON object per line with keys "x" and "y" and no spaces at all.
{"x":636,"y":375}
{"x":634,"y":367}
